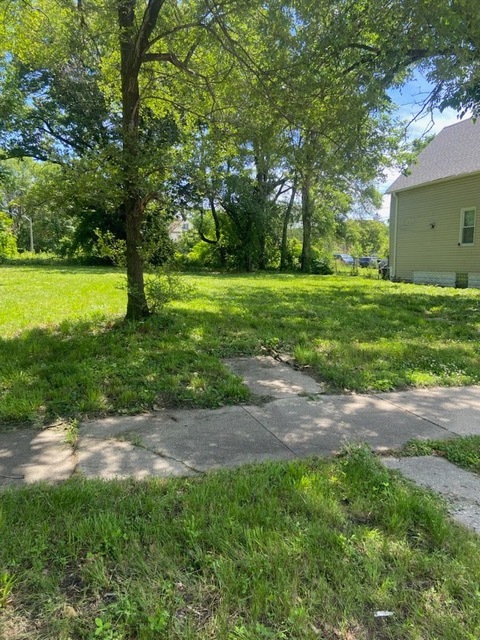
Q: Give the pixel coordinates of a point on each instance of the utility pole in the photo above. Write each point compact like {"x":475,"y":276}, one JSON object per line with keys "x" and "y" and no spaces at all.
{"x":32,"y":249}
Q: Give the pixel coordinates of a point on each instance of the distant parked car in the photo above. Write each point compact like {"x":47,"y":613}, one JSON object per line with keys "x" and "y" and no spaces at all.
{"x":367,"y":261}
{"x":345,"y":258}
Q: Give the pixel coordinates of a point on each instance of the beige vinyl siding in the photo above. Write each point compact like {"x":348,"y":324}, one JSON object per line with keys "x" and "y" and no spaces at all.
{"x":428,"y":228}
{"x":392,"y":255}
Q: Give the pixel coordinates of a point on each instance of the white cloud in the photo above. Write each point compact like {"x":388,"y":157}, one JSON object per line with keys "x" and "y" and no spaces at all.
{"x":429,"y":123}
{"x":384,"y":211}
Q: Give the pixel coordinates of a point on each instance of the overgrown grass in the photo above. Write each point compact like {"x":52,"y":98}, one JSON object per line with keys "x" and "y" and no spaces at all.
{"x":65,"y":351}
{"x":300,"y":550}
{"x":464,"y":452}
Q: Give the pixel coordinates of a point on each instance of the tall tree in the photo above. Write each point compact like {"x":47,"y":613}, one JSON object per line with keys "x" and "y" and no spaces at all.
{"x":164,"y":64}
{"x":87,"y":79}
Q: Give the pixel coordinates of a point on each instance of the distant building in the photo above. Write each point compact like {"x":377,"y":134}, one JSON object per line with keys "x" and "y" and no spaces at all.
{"x":433,"y":212}
{"x":178,"y":227}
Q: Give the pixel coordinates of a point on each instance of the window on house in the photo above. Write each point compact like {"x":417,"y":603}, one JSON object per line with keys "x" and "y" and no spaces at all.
{"x":467,"y":229}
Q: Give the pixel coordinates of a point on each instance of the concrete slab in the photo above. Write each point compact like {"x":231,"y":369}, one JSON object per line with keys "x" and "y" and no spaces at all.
{"x":188,"y":441}
{"x":454,"y":408}
{"x":265,"y":376}
{"x":110,"y":459}
{"x":202,"y":439}
{"x":114,"y":426}
{"x":325,"y":425}
{"x":34,"y":456}
{"x":460,"y":488}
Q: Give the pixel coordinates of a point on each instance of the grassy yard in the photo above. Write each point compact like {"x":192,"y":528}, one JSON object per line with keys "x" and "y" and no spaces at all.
{"x":65,"y":351}
{"x":297,"y":551}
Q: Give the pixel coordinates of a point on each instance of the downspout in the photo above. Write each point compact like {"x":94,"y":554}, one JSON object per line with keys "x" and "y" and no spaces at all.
{"x":393,"y":267}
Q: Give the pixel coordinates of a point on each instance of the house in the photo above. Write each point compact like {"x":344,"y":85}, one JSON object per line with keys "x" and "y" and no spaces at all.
{"x":435,"y":209}
{"x":178,"y":227}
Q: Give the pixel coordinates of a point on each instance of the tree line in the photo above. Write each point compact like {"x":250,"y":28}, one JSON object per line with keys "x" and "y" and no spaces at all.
{"x":251,"y":117}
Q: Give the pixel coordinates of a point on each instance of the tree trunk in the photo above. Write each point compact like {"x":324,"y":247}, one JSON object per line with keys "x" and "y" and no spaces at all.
{"x":262,"y":205}
{"x":132,"y":205}
{"x":218,"y":234}
{"x":137,"y":306}
{"x":307,"y":223}
{"x":222,"y":252}
{"x":286,"y":222}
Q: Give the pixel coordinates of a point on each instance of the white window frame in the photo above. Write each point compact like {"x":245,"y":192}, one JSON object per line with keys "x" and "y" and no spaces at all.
{"x":462,"y":226}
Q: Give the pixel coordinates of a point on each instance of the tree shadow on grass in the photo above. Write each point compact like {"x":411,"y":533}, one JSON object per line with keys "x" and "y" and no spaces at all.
{"x":365,"y":338}
{"x":83,"y":368}
{"x":356,"y":338}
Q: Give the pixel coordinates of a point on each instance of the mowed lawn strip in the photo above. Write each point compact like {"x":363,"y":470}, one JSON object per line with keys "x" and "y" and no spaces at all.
{"x":66,"y":352}
{"x":300,"y":550}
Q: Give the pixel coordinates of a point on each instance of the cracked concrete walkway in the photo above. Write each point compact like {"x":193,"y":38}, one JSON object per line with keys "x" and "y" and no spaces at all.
{"x":300,"y":420}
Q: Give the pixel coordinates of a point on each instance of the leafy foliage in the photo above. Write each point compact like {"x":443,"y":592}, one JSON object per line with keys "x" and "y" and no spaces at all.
{"x":8,"y":244}
{"x":241,"y":113}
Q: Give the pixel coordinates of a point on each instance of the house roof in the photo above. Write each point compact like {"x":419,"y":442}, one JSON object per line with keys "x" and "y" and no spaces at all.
{"x":455,"y":151}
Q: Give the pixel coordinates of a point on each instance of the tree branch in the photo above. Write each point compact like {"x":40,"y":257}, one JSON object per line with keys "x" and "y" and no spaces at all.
{"x":281,"y":191}
{"x":200,"y":229}
{"x":170,"y":32}
{"x":74,"y":144}
{"x":170,"y":57}
{"x":149,"y":22}
{"x":154,"y":195}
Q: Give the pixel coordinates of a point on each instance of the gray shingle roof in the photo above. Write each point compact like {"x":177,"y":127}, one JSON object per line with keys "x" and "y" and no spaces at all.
{"x":455,"y":151}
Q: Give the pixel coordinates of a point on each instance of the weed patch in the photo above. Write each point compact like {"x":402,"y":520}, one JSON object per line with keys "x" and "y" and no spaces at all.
{"x":281,"y":550}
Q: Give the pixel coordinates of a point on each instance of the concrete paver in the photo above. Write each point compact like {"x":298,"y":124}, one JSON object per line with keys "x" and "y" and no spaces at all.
{"x":34,"y":456}
{"x":225,"y":437}
{"x":110,"y":459}
{"x":455,"y":408}
{"x":326,"y":424}
{"x":298,"y":422}
{"x":202,"y":439}
{"x":460,"y":488}
{"x":265,"y":376}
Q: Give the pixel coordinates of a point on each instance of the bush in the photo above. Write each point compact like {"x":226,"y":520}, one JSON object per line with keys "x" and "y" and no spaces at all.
{"x":293,"y":254}
{"x":8,"y":243}
{"x":200,"y":255}
{"x":163,"y":286}
{"x":29,"y":258}
{"x":321,"y":263}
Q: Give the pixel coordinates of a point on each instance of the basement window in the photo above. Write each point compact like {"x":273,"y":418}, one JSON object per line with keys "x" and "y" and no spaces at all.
{"x":467,"y":226}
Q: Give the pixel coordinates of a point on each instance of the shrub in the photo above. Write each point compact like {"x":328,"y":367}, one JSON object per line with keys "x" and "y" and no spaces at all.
{"x":164,"y":286}
{"x":200,"y":255}
{"x":293,"y":254}
{"x":8,"y":243}
{"x":321,"y":263}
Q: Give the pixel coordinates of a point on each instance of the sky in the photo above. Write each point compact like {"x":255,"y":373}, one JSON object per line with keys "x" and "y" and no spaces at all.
{"x":408,"y":100}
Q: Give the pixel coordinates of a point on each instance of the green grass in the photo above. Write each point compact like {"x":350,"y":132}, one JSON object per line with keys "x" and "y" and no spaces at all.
{"x":464,"y":452}
{"x":65,"y":352}
{"x":297,"y":551}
